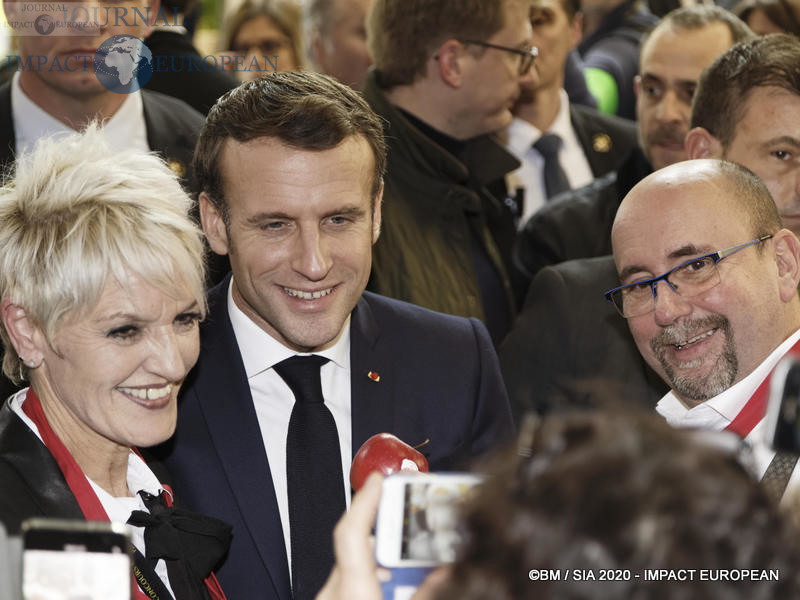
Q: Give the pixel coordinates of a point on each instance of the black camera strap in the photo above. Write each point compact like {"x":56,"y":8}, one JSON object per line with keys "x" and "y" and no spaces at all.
{"x":145,"y":574}
{"x":777,"y":475}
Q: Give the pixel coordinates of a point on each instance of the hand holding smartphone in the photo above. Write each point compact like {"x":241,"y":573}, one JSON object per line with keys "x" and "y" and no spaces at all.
{"x":417,"y":527}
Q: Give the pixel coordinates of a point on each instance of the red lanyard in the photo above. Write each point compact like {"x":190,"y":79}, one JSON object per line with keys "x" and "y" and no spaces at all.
{"x":756,"y":407}
{"x":78,"y":483}
{"x":752,"y":412}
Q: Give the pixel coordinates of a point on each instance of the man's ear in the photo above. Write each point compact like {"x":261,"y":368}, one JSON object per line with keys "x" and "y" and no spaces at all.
{"x":787,"y":257}
{"x":213,"y":225}
{"x":376,"y":215}
{"x":22,"y":333}
{"x":576,"y":30}
{"x":699,"y":143}
{"x":448,"y":61}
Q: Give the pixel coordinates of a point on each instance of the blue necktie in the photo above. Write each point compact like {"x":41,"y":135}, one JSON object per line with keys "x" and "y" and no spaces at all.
{"x":555,"y":180}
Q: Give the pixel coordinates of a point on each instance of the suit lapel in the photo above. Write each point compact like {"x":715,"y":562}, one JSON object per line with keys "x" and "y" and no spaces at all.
{"x":372,"y":397}
{"x":227,"y":405}
{"x":588,"y":133}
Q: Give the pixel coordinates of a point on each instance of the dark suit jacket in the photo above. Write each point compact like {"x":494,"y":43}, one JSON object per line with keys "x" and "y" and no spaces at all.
{"x":32,"y":483}
{"x":606,"y":140}
{"x":577,"y":223}
{"x":570,"y":348}
{"x":177,"y":71}
{"x":439,"y":379}
{"x":172,"y":130}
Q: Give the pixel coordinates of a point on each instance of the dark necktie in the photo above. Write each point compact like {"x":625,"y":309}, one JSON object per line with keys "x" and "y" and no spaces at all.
{"x":555,"y":180}
{"x":313,"y":475}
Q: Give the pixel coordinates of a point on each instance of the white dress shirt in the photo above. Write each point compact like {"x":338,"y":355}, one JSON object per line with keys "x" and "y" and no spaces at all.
{"x":718,"y":412}
{"x":521,"y":136}
{"x":118,"y":509}
{"x":274,"y":400}
{"x":124,"y":130}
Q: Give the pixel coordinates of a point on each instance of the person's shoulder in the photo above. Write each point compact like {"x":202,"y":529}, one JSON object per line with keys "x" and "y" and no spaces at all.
{"x":583,"y":201}
{"x":416,"y":321}
{"x":596,"y":120}
{"x":583,"y":270}
{"x":167,"y":109}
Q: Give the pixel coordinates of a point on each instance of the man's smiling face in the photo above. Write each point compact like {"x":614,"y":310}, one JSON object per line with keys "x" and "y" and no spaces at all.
{"x":703,"y":344}
{"x":299,"y":235}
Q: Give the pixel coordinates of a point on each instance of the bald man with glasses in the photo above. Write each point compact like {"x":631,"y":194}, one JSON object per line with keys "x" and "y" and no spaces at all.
{"x":709,"y":290}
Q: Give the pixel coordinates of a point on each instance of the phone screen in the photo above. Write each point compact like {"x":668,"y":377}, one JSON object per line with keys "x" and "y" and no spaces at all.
{"x":81,"y":561}
{"x":430,"y":520}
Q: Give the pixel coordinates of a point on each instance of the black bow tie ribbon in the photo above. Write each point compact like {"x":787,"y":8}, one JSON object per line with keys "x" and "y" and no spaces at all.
{"x":194,"y":541}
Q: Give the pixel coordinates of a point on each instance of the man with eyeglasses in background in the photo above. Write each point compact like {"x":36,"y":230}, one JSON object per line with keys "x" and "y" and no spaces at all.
{"x":709,"y":289}
{"x":566,"y":347}
{"x":746,"y":109}
{"x":446,"y":74}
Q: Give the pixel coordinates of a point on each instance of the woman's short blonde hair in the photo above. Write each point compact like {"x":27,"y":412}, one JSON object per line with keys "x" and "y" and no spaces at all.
{"x":73,"y":214}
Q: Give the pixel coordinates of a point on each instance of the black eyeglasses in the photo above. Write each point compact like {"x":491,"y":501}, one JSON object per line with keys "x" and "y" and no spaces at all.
{"x":688,"y":279}
{"x":526,"y":54}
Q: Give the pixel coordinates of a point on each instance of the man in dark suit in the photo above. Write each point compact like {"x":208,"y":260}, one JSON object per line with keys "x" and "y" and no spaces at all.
{"x":759,"y":130}
{"x":290,"y":167}
{"x":549,"y":135}
{"x":569,"y":348}
{"x":55,"y":90}
{"x":171,"y":129}
{"x":577,"y":224}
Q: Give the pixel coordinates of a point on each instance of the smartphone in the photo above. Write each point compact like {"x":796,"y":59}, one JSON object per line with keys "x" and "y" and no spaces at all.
{"x":64,"y":559}
{"x":783,"y":408}
{"x":417,"y":527}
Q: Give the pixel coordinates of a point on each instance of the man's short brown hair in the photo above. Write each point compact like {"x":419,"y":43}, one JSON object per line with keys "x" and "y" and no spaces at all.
{"x":404,"y":34}
{"x":725,"y":86}
{"x":302,"y":109}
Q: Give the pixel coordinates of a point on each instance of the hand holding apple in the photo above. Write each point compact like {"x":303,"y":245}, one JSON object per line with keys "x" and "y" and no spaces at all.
{"x":386,"y":454}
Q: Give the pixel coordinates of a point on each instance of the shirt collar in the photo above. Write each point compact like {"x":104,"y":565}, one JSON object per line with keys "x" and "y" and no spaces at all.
{"x":728,"y":404}
{"x":562,"y":125}
{"x":125,"y":129}
{"x":260,"y":351}
{"x":520,"y":135}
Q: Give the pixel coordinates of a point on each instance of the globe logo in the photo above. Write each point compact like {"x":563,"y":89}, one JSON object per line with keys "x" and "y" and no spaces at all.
{"x":44,"y":24}
{"x":123,"y":64}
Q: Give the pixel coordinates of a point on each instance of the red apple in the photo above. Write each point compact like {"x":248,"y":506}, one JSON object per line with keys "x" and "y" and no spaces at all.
{"x":387,"y":454}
